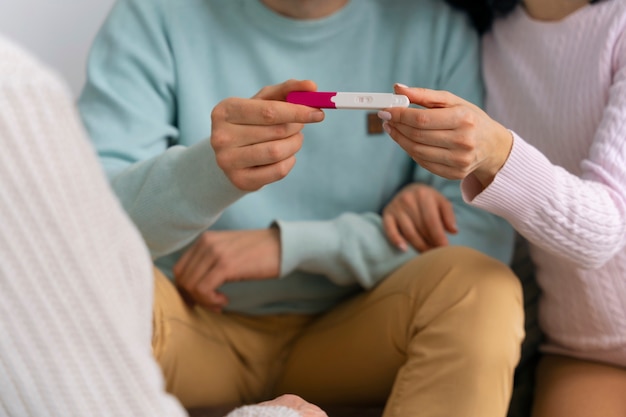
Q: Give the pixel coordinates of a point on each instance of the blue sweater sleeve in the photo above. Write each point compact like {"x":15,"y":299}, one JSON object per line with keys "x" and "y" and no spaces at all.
{"x":353,"y":247}
{"x":128,"y":106}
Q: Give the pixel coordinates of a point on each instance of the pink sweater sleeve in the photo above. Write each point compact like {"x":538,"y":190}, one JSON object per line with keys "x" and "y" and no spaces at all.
{"x":579,"y":216}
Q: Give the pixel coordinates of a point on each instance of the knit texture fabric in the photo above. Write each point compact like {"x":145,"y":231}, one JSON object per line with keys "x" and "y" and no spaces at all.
{"x":561,"y":87}
{"x":75,"y":276}
{"x":263,"y":411}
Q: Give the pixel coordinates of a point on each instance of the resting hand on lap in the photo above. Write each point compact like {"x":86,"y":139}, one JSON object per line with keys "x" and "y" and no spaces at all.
{"x":218,"y":257}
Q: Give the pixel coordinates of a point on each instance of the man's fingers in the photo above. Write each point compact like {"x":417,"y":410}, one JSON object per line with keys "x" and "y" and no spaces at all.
{"x":447,"y":215}
{"x":392,"y":232}
{"x":280,"y":91}
{"x":245,"y":111}
{"x":260,"y":154}
{"x":210,"y":298}
{"x":434,"y":233}
{"x":181,"y":265}
{"x":196,"y":269}
{"x":252,"y":179}
{"x":186,"y":265}
{"x":241,"y":136}
{"x":411,"y":230}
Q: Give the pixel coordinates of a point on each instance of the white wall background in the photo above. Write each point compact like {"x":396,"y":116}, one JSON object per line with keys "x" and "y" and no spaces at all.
{"x":59,"y":32}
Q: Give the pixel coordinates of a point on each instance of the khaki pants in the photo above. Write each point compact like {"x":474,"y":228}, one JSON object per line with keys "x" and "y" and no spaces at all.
{"x":440,"y":336}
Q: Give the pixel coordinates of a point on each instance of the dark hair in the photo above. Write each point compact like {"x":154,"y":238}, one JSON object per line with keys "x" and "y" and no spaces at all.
{"x":483,"y":12}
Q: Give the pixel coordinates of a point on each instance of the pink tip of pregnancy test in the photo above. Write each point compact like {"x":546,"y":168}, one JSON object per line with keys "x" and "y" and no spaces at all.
{"x":318,"y":99}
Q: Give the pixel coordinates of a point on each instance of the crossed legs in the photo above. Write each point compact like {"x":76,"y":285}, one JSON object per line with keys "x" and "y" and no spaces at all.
{"x":440,"y":336}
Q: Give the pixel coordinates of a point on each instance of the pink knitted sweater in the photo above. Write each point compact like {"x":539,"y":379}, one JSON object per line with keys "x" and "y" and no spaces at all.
{"x":561,"y":87}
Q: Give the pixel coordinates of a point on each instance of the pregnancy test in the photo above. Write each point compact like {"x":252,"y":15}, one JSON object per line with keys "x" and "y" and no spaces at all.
{"x":342,"y":100}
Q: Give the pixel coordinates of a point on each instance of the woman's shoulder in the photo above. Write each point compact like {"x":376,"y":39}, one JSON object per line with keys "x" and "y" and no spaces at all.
{"x":14,"y":57}
{"x":18,"y":66}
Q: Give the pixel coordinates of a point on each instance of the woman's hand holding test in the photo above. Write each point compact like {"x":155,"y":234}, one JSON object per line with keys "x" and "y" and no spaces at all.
{"x":447,"y":135}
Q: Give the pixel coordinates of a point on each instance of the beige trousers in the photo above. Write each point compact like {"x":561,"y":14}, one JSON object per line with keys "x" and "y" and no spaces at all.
{"x":440,"y":336}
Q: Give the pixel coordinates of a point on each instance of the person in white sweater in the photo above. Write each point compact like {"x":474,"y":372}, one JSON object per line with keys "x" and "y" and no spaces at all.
{"x":76,"y":280}
{"x":555,"y":72}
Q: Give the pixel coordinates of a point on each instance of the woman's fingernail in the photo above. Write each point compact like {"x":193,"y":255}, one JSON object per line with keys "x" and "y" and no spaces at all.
{"x":387,"y":128}
{"x":402,"y":85}
{"x":403,"y":246}
{"x":385,"y":115}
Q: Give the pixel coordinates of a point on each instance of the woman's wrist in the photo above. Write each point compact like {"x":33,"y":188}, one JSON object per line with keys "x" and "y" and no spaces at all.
{"x":500,"y":151}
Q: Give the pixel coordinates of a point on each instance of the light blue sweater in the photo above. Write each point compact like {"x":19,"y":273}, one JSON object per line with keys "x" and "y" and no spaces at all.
{"x":157,"y":69}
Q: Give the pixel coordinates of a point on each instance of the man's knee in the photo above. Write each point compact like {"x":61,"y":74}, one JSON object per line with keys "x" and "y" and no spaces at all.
{"x":462,"y":269}
{"x":475,"y":296}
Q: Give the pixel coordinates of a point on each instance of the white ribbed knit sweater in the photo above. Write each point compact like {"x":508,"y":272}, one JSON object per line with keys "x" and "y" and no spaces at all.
{"x":75,"y":278}
{"x":561,"y":86}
